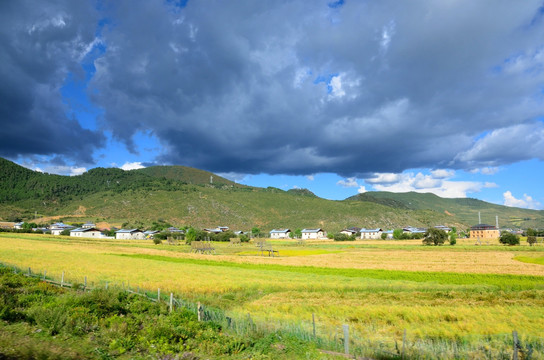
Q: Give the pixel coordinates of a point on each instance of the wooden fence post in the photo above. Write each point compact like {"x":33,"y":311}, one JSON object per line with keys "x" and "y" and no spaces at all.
{"x":403,"y":344}
{"x":313,"y":322}
{"x":171,"y":302}
{"x":346,"y":339}
{"x":515,"y":336}
{"x":85,"y":284}
{"x":44,"y":273}
{"x":106,"y":285}
{"x":158,"y":294}
{"x":199,"y":311}
{"x":62,"y":279}
{"x":29,"y":272}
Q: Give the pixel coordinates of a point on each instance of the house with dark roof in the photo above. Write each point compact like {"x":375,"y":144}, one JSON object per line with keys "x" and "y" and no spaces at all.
{"x":351,"y":231}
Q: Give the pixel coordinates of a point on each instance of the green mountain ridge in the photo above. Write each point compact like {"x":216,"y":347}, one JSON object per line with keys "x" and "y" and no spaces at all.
{"x":187,"y":196}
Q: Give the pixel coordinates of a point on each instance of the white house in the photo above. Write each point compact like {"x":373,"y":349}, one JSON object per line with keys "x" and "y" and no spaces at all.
{"x":57,"y":228}
{"x":371,"y":233}
{"x":280,"y":234}
{"x":350,"y":231}
{"x":313,"y":234}
{"x":129,"y":234}
{"x":88,"y":225}
{"x":87,"y":232}
{"x":18,"y":226}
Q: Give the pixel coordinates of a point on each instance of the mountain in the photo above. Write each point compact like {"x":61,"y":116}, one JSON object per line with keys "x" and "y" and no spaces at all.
{"x":465,"y":210}
{"x":186,"y":196}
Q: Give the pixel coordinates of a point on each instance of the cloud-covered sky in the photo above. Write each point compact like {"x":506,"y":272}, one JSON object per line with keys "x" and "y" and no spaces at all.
{"x":437,"y":96}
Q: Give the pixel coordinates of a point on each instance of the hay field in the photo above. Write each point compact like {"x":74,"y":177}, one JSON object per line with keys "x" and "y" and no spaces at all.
{"x":462,"y":293}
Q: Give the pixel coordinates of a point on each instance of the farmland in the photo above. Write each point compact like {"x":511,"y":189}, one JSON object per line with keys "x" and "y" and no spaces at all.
{"x":473,"y":296}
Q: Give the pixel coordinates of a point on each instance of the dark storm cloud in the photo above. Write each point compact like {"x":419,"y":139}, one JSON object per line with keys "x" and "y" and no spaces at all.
{"x":303,"y":87}
{"x":40,"y":42}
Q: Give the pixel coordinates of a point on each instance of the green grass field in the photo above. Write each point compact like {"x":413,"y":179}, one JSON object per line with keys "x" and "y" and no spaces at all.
{"x":462,"y":301}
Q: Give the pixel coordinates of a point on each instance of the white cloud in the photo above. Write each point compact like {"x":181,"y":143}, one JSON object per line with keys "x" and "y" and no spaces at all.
{"x":74,"y":171}
{"x":384,"y":178}
{"x":233,"y":176}
{"x":489,"y":170}
{"x":310,"y":177}
{"x":361,"y":189}
{"x":349,"y":182}
{"x":527,"y":202}
{"x":442,"y":173}
{"x":435,"y":183}
{"x":132,"y":165}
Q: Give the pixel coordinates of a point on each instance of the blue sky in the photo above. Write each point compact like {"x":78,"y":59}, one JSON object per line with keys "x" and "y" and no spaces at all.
{"x":339,"y":97}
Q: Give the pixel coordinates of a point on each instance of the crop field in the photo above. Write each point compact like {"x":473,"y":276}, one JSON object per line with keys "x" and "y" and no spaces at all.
{"x":462,"y":300}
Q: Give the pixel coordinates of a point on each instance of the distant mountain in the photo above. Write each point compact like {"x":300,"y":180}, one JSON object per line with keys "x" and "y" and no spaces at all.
{"x":465,"y":210}
{"x":187,"y":196}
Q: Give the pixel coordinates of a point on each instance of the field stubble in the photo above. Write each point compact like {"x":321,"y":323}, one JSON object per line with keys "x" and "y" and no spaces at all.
{"x":377,"y":309}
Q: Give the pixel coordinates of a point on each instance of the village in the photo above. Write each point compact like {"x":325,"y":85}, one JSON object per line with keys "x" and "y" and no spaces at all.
{"x":90,"y":230}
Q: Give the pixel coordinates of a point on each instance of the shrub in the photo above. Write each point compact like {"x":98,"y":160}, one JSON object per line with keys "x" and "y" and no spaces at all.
{"x":531,"y":240}
{"x":342,"y":237}
{"x":157,"y":241}
{"x":508,"y":238}
{"x":435,"y":236}
{"x":244,"y":238}
{"x":384,"y":236}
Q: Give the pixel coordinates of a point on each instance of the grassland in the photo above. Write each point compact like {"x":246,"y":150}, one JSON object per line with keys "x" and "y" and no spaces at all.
{"x":466,"y":295}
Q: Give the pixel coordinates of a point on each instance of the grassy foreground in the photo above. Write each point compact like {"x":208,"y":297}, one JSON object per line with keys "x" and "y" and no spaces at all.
{"x":461,"y":301}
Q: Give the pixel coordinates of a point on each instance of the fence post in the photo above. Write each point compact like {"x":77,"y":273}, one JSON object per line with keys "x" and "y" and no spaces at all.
{"x":29,"y":272}
{"x":171,"y":302}
{"x":515,"y":336}
{"x":199,"y":311}
{"x":106,"y":285}
{"x":62,"y":279}
{"x":138,"y":289}
{"x":403,"y":344}
{"x":313,"y":322}
{"x":346,"y":339}
{"x":44,"y":273}
{"x":158,"y":294}
{"x":85,"y":284}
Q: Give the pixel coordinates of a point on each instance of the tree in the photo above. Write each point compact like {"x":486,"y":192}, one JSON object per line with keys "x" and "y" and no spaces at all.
{"x":531,"y":232}
{"x":342,"y":237}
{"x":434,"y":236}
{"x":531,"y":240}
{"x":65,"y":232}
{"x":508,"y":238}
{"x":255,"y":232}
{"x":297,"y":234}
{"x":384,"y":236}
{"x":190,"y":236}
{"x":397,"y":234}
{"x":453,"y":237}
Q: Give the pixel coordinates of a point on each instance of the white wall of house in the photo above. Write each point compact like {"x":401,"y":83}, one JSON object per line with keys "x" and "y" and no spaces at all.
{"x":86,"y":234}
{"x":130,"y":236}
{"x":313,"y":235}
{"x":371,"y":235}
{"x":279,"y":235}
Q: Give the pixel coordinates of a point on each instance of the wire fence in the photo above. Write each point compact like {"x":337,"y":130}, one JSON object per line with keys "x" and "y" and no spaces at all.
{"x":340,"y":340}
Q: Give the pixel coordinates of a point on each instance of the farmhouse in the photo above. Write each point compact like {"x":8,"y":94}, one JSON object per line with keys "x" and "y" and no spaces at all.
{"x":313,"y":234}
{"x":86,"y":232}
{"x":442,"y":227}
{"x":59,"y":227}
{"x":88,"y":225}
{"x":280,"y":234}
{"x":414,"y":230}
{"x":18,"y":226}
{"x":484,"y":231}
{"x":129,"y":234}
{"x":149,"y":234}
{"x":350,"y":231}
{"x":371,"y":233}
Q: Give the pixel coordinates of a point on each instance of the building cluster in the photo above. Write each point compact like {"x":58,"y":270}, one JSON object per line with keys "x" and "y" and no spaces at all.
{"x":89,"y":230}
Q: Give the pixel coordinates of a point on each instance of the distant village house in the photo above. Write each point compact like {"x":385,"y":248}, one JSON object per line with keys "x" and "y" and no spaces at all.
{"x":129,"y":234}
{"x":280,"y":234}
{"x":371,"y":233}
{"x":313,"y":234}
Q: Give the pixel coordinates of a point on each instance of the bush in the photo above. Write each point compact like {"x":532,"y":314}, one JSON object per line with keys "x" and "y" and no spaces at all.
{"x":435,"y":236}
{"x":157,"y":241}
{"x":244,"y":238}
{"x":531,"y":240}
{"x":384,"y":236}
{"x":509,"y":239}
{"x":343,"y":237}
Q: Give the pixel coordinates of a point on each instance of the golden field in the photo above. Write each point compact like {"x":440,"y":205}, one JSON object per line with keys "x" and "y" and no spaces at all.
{"x":463,"y":293}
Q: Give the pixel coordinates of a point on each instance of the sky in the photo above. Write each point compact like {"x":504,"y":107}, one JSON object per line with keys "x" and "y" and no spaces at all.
{"x":339,"y":97}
